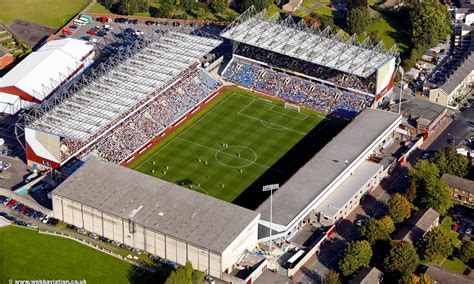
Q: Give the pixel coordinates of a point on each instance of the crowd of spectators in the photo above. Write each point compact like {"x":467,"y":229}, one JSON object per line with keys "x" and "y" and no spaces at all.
{"x":296,"y":89}
{"x":308,"y":68}
{"x":146,"y":123}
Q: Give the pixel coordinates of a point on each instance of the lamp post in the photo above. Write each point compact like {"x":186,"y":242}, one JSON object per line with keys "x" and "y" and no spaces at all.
{"x":270,"y":188}
{"x":402,"y":72}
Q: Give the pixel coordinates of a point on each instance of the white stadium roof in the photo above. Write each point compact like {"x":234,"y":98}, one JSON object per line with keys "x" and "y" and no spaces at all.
{"x":299,"y":41}
{"x":45,"y":69}
{"x":125,"y":81}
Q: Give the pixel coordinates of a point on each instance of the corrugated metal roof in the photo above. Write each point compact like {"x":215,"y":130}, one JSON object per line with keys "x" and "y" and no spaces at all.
{"x":45,"y":69}
{"x":167,"y":208}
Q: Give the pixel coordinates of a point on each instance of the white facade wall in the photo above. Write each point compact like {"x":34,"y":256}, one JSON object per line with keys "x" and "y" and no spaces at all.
{"x":153,"y":242}
{"x":246,"y":240}
{"x":352,"y":203}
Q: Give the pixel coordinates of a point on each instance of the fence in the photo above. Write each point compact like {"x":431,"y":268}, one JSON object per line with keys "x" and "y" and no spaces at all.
{"x":89,"y":244}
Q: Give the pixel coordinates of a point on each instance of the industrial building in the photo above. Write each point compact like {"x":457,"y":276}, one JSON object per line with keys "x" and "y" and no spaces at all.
{"x":43,"y":72}
{"x":156,"y":216}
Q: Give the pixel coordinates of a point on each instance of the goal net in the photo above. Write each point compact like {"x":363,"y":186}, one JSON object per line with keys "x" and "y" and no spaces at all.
{"x":292,"y":106}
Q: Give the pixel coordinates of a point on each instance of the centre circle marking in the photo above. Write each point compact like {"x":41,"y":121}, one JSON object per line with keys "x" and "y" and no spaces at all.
{"x":243,"y":150}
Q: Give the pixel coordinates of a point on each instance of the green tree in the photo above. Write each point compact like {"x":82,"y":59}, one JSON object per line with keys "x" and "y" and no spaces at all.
{"x":430,"y":22}
{"x":165,"y":10}
{"x":466,"y":251}
{"x":218,"y":6}
{"x":332,"y":278}
{"x":357,"y":255}
{"x":375,"y":36}
{"x":186,"y":4}
{"x":399,"y":208}
{"x":258,"y":4}
{"x":402,"y":259}
{"x":324,"y":21}
{"x":422,"y":172}
{"x":107,"y":3}
{"x":127,"y":7}
{"x":410,"y":194}
{"x":435,"y":244}
{"x":374,"y":230}
{"x":431,"y":191}
{"x":420,"y":279}
{"x":185,"y":275}
{"x":357,"y":20}
{"x":449,"y":161}
{"x":437,"y":196}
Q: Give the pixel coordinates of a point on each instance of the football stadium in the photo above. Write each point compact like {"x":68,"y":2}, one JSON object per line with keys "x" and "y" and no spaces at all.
{"x":176,"y":154}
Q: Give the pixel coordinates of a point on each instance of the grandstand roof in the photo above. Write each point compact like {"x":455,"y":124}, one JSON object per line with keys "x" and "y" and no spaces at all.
{"x":298,"y":41}
{"x":164,"y":207}
{"x":124,"y":81}
{"x":45,"y":69}
{"x":327,"y":165}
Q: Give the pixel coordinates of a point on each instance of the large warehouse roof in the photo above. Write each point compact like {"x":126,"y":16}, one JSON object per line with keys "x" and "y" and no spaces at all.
{"x":311,"y":179}
{"x":156,"y":204}
{"x":135,"y":74}
{"x":45,"y":69}
{"x":298,"y":41}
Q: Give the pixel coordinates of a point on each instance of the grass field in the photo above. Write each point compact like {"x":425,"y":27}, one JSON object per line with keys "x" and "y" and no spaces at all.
{"x":453,"y":264}
{"x":54,"y":13}
{"x":26,"y":254}
{"x":237,"y":144}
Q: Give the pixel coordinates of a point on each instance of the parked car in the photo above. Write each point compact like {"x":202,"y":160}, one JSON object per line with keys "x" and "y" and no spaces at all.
{"x":31,"y":225}
{"x":71,"y":227}
{"x":3,"y":214}
{"x":153,"y":257}
{"x":104,"y":239}
{"x":94,"y":236}
{"x":137,"y":251}
{"x":20,"y":223}
{"x":116,"y":243}
{"x":11,"y":218}
{"x":45,"y":219}
{"x":127,"y":247}
{"x":81,"y":231}
{"x":359,"y":222}
{"x":468,"y":231}
{"x":6,"y":201}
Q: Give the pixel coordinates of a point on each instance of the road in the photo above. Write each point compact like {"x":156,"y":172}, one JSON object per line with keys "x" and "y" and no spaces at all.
{"x":459,"y":130}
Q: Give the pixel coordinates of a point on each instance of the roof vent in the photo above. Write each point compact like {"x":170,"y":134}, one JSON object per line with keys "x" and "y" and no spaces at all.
{"x":161,"y":214}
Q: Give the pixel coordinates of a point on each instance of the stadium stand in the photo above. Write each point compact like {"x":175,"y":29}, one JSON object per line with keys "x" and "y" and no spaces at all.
{"x":327,"y":63}
{"x":317,"y":71}
{"x":124,"y":102}
{"x":296,"y":89}
{"x":144,"y":125}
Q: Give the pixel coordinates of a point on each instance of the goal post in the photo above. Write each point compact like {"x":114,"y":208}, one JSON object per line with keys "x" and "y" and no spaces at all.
{"x":293,"y":106}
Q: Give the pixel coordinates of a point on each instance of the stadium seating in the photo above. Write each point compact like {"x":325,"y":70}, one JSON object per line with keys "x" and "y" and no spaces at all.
{"x":297,"y":90}
{"x":150,"y":120}
{"x":310,"y":69}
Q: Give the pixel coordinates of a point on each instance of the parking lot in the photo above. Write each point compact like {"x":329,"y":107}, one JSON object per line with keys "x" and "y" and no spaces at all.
{"x":13,"y":177}
{"x":115,"y":35}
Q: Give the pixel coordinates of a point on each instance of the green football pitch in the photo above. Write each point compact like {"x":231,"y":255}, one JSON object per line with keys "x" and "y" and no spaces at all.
{"x":237,"y":144}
